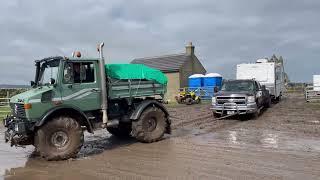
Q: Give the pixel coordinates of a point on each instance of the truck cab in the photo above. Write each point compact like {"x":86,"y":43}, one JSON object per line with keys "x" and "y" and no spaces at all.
{"x":72,"y":94}
{"x":240,"y":97}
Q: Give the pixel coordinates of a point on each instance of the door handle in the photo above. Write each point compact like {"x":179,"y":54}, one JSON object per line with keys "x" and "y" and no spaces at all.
{"x":69,"y":86}
{"x":94,"y":90}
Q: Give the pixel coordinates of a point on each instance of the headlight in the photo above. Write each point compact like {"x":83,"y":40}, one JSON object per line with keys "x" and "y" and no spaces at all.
{"x":214,"y":100}
{"x":251,"y":99}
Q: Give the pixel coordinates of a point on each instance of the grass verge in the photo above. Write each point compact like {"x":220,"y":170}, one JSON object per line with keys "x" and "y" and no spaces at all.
{"x":4,"y":111}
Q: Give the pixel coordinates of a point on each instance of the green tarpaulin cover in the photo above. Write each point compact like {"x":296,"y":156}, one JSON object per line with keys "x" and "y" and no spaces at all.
{"x":135,"y":71}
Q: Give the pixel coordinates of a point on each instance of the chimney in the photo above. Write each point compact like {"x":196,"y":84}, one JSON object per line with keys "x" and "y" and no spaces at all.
{"x":190,"y":49}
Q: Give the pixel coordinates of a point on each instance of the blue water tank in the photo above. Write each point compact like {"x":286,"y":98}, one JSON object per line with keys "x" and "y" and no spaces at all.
{"x":196,"y":80}
{"x":212,"y":80}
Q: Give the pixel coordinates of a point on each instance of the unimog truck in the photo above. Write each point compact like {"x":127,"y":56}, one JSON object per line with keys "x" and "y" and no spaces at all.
{"x":73,"y":94}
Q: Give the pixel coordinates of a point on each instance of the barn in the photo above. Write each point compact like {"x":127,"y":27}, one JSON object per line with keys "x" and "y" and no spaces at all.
{"x":177,"y":67}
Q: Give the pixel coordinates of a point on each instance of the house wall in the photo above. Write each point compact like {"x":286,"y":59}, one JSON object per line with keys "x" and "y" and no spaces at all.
{"x":173,"y":85}
{"x":198,"y":67}
{"x":190,"y":67}
{"x":185,"y":71}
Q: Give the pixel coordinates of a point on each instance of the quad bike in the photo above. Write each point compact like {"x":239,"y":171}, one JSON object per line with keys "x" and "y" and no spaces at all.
{"x":188,"y":97}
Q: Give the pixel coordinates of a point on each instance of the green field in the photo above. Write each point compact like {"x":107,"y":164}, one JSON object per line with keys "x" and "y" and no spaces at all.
{"x":3,"y":114}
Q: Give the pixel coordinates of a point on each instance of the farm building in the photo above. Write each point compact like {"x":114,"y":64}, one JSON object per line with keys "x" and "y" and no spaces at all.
{"x":177,"y":67}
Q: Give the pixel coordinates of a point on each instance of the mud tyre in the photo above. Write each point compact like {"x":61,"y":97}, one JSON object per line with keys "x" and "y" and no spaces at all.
{"x":122,"y":131}
{"x":255,"y":116}
{"x":198,"y":101}
{"x":216,"y":115}
{"x":151,"y":125}
{"x":59,"y":139}
{"x":189,"y":101}
{"x":268,"y":103}
{"x":179,"y":99}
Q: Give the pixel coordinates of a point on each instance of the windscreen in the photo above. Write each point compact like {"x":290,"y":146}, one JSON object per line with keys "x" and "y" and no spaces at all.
{"x":236,"y":86}
{"x":48,"y":71}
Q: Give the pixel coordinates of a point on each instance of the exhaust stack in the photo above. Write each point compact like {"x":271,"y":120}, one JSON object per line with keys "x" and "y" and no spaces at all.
{"x":104,"y":98}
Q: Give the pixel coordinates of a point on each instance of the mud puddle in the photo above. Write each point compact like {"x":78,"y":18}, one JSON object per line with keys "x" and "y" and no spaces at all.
{"x":283,"y":143}
{"x":261,"y":139}
{"x":11,"y":156}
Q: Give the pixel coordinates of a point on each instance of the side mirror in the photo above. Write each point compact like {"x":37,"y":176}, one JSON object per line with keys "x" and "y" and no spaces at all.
{"x":263,"y":87}
{"x":32,"y":83}
{"x":216,"y":89}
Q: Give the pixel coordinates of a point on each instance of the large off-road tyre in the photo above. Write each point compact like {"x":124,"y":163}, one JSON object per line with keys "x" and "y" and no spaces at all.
{"x":189,"y":101}
{"x":122,"y":131}
{"x":59,"y":139}
{"x":151,"y":125}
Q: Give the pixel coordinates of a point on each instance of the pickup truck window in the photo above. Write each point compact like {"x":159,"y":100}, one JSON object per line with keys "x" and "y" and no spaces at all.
{"x":238,"y":86}
{"x":78,"y":73}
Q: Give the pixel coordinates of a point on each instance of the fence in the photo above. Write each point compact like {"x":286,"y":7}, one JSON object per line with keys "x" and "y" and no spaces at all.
{"x":4,"y":104}
{"x":205,"y":93}
{"x":312,"y":93}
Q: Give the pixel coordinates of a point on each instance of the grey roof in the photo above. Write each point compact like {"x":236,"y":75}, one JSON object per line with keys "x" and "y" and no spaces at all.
{"x":168,"y":63}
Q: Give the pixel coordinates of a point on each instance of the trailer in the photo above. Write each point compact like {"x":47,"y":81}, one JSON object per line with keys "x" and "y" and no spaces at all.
{"x":312,"y":93}
{"x":268,"y":73}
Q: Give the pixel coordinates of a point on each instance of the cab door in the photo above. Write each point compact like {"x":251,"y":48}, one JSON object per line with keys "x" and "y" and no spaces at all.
{"x":80,"y":87}
{"x":259,"y":94}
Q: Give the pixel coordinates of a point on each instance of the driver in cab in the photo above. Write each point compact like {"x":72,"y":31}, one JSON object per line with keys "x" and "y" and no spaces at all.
{"x":76,"y":72}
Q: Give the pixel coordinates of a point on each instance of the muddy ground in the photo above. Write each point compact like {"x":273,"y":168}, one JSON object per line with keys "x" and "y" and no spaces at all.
{"x":283,"y":143}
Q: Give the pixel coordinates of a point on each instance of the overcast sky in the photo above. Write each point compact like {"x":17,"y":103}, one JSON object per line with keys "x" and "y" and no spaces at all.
{"x":224,"y":32}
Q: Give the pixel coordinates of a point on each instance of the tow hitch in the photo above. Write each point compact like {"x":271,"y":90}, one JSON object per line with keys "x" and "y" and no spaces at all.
{"x":228,"y":115}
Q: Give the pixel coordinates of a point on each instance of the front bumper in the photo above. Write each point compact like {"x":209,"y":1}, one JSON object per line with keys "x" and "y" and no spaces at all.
{"x":236,"y":108}
{"x":18,"y":131}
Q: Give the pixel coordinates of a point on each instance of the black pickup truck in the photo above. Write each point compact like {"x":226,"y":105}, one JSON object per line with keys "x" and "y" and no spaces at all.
{"x":240,"y":97}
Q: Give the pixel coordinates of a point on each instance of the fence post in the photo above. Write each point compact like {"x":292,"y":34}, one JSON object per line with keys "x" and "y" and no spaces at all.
{"x":8,"y":96}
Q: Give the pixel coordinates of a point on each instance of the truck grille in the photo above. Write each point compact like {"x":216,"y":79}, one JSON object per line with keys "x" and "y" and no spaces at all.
{"x":237,"y":100}
{"x":18,"y":110}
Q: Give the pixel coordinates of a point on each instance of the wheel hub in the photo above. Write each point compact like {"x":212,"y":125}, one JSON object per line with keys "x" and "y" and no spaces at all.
{"x":59,"y":139}
{"x":151,"y":124}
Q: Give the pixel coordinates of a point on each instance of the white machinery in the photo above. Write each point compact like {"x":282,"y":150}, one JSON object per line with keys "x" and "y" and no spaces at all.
{"x":316,"y":82}
{"x":268,"y":73}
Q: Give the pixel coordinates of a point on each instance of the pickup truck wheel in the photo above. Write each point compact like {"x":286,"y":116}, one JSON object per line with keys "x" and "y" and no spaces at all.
{"x":59,"y":139}
{"x":151,"y":125}
{"x":255,"y":115}
{"x":268,"y":103}
{"x":216,"y":115}
{"x":122,"y":131}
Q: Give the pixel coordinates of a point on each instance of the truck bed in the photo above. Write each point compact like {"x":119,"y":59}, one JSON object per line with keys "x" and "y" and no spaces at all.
{"x":135,"y":88}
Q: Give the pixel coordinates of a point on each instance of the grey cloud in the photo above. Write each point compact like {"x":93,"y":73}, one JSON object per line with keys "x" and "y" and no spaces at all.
{"x":225,"y":32}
